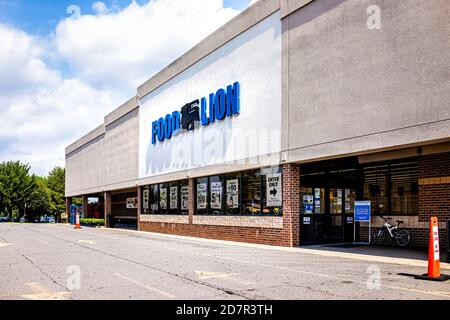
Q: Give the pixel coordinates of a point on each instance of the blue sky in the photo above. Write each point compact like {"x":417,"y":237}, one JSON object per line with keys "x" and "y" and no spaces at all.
{"x":41,"y":16}
{"x":60,"y":73}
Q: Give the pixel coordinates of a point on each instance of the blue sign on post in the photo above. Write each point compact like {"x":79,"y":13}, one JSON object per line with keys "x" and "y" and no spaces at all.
{"x":362,"y":211}
{"x":362,"y":214}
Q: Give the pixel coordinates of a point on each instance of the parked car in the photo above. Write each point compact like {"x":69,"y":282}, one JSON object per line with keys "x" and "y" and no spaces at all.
{"x":4,"y":219}
{"x":47,"y":219}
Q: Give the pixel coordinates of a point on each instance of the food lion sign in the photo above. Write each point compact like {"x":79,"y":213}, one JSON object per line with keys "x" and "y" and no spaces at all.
{"x":274,"y":190}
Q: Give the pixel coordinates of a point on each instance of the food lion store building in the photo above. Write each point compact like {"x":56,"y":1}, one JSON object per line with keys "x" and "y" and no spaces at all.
{"x":272,"y":127}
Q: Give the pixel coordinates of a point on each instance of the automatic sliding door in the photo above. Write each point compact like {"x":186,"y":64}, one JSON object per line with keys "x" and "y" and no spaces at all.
{"x":349,"y":206}
{"x":335,"y":228}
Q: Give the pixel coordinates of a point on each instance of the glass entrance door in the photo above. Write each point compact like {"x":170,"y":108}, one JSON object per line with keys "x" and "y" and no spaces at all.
{"x":350,"y":197}
{"x":327,"y":215}
{"x":335,"y":212}
{"x":313,"y":216}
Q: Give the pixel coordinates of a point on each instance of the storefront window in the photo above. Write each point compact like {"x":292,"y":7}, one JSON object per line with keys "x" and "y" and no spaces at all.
{"x":251,"y":190}
{"x":334,"y":186}
{"x":145,"y":200}
{"x":307,"y":197}
{"x":233,"y":193}
{"x":350,"y":198}
{"x":404,"y":188}
{"x":375,"y":188}
{"x":335,"y":201}
{"x":163,"y":197}
{"x":272,"y":190}
{"x":166,"y":198}
{"x":392,"y":188}
{"x":319,"y":200}
{"x":174,"y":198}
{"x":216,"y":195}
{"x":241,"y":193}
{"x":154,"y":199}
{"x":184,"y":197}
{"x":202,"y":196}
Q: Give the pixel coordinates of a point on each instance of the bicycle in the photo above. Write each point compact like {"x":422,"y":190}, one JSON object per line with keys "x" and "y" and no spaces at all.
{"x":401,"y":236}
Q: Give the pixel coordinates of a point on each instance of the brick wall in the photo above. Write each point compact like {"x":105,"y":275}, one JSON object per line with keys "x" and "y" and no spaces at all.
{"x":267,"y":236}
{"x":291,"y":203}
{"x":263,"y":230}
{"x":434,"y":192}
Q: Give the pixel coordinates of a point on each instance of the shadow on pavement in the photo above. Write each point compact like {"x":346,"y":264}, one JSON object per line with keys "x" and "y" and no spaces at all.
{"x":384,"y":251}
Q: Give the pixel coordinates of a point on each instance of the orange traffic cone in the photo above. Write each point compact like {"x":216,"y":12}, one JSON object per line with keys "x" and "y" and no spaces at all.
{"x":77,"y":221}
{"x":434,"y":264}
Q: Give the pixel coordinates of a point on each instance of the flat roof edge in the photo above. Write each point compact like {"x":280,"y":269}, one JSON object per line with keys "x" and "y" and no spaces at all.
{"x":115,"y":115}
{"x":121,"y":111}
{"x":86,"y":139}
{"x":290,"y":6}
{"x":230,"y":30}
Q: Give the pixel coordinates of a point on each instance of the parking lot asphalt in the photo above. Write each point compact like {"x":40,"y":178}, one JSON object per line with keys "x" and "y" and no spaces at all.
{"x":55,"y":261}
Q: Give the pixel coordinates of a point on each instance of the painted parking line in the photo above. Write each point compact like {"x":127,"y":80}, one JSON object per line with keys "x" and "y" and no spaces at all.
{"x":352,"y":278}
{"x":42,"y":293}
{"x":91,"y":242}
{"x":146,"y":287}
{"x":4,"y":245}
{"x":202,"y":275}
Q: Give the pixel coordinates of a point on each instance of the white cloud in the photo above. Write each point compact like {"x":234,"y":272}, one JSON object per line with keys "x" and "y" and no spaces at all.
{"x":21,"y":66}
{"x":110,"y":54}
{"x":122,"y":49}
{"x":41,"y":112}
{"x":99,"y":7}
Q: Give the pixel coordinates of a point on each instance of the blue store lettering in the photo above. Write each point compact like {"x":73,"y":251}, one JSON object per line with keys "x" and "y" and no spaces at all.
{"x":222,"y":104}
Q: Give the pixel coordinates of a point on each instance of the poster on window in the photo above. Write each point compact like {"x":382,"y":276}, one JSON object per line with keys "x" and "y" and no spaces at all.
{"x":216,"y":195}
{"x":308,"y":200}
{"x":163,"y":198}
{"x":201,"y":196}
{"x":145,"y":199}
{"x":274,"y":191}
{"x":185,"y":198}
{"x":233,"y":194}
{"x":132,"y":203}
{"x":174,"y":197}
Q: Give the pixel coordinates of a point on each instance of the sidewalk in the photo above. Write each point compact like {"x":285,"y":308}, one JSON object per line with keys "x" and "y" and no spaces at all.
{"x":405,"y":256}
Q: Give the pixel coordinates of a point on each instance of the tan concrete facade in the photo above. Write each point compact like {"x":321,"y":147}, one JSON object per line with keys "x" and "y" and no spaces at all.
{"x":346,"y":90}
{"x":107,"y":158}
{"x":334,"y":70}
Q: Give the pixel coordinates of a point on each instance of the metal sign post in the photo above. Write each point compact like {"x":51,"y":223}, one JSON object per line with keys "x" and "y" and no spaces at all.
{"x":362,"y":214}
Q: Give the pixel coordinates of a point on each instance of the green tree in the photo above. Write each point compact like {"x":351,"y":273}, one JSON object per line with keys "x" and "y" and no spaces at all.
{"x":56,"y":187}
{"x":17,"y":187}
{"x":40,"y":202}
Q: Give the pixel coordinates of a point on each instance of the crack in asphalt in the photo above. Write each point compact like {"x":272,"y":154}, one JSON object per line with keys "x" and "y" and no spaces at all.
{"x":42,"y":270}
{"x":227,"y":291}
{"x":241,"y":292}
{"x":35,"y":265}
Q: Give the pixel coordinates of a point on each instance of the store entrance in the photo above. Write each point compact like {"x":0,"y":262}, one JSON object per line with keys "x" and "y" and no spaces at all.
{"x":328,"y":195}
{"x":327,"y":215}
